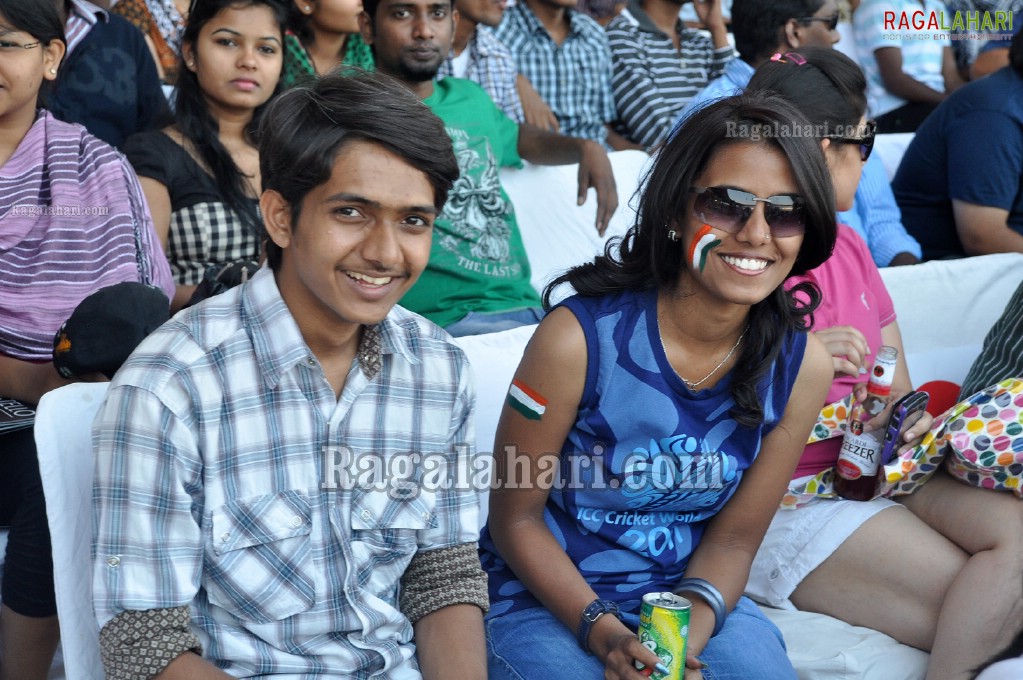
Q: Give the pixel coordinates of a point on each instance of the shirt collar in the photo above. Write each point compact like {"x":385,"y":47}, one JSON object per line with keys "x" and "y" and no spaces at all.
{"x":635,"y":15}
{"x":482,"y":41}
{"x":536,"y":26}
{"x":280,"y":347}
{"x":89,"y":12}
{"x":739,"y":71}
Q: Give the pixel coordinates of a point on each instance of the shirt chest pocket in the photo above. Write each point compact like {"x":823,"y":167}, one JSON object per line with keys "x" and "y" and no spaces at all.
{"x":385,"y":535}
{"x":259,"y":557}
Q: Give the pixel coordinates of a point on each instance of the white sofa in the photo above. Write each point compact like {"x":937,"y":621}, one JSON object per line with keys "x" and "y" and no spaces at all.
{"x":944,"y":309}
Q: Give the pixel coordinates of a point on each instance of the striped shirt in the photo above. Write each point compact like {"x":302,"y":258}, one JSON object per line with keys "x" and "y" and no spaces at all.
{"x":652,"y":81}
{"x":492,"y":67}
{"x":231,"y":479}
{"x":80,"y":20}
{"x":73,"y":221}
{"x":1002,"y":354}
{"x":573,"y":78}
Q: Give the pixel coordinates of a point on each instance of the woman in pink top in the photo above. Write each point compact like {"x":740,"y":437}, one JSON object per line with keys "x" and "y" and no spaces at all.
{"x":944,"y":576}
{"x":72,"y":220}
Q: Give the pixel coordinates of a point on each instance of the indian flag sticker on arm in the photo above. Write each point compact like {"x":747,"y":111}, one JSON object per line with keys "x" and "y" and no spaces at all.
{"x":526,"y":401}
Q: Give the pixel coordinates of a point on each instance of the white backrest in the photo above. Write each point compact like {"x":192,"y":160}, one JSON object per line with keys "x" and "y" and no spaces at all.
{"x":63,"y":432}
{"x":556,"y":232}
{"x":946,"y":307}
{"x":891,"y":147}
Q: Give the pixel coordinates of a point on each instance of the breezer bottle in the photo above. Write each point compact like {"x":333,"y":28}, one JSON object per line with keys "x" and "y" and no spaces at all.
{"x":858,"y":463}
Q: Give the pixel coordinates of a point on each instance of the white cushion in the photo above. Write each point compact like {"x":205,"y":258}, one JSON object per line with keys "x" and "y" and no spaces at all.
{"x":63,"y":432}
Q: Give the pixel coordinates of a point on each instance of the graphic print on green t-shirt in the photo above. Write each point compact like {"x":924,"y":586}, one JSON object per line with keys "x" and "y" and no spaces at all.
{"x":477,"y":262}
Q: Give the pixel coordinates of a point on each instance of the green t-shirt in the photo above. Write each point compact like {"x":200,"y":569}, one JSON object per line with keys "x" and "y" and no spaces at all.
{"x":477,"y":262}
{"x":298,"y":63}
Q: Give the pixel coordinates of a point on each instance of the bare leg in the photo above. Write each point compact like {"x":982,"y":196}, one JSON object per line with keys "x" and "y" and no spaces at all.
{"x":983,"y":609}
{"x":946,"y":576}
{"x":27,"y":645}
{"x":890,"y":575}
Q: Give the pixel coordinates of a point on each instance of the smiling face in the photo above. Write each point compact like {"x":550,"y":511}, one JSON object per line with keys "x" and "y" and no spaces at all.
{"x":410,"y":38}
{"x":22,"y":72}
{"x":748,"y":265}
{"x":362,"y":239}
{"x":237,"y":57}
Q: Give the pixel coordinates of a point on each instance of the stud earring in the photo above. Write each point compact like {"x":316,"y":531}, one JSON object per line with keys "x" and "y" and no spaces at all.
{"x":53,"y":71}
{"x":672,"y":236}
{"x":307,"y":8}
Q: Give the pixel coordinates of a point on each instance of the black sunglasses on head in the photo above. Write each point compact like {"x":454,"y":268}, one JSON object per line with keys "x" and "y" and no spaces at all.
{"x":728,"y":209}
{"x":866,"y":141}
{"x":832,"y":20}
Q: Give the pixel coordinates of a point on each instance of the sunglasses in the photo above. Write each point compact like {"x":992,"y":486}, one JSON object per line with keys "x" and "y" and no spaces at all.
{"x":832,"y":20}
{"x":866,"y":142}
{"x":729,"y":209}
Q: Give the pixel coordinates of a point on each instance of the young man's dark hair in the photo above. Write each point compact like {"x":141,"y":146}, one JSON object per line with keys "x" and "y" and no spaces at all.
{"x":333,"y":111}
{"x":757,"y":24}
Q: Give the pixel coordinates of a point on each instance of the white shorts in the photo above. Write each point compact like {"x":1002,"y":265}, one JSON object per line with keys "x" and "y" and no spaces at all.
{"x":799,"y":540}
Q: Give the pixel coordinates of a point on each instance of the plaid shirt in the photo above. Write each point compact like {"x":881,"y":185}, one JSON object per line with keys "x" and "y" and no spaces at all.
{"x":574,"y":79}
{"x":216,"y":485}
{"x":492,"y":67}
{"x":652,"y":80}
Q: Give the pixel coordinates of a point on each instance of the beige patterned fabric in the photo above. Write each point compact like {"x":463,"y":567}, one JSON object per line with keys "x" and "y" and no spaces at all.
{"x":442,"y":577}
{"x":141,"y":644}
{"x":368,"y":354}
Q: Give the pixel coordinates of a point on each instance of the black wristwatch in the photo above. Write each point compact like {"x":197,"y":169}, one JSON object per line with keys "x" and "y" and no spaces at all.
{"x":594,"y":610}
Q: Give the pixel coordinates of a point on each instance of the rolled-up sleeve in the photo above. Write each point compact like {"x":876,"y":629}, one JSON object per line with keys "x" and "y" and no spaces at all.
{"x":147,"y":548}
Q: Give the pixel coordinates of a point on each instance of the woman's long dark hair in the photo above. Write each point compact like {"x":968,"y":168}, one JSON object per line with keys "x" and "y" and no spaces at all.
{"x":40,"y":20}
{"x":829,"y":89}
{"x":201,"y":129}
{"x":649,"y":259}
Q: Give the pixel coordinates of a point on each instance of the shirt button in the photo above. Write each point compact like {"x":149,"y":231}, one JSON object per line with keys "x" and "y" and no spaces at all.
{"x":426,"y":516}
{"x":365,"y":515}
{"x":310,"y":361}
{"x":114,"y":561}
{"x":225,"y":537}
{"x":774,"y":574}
{"x":296,"y":521}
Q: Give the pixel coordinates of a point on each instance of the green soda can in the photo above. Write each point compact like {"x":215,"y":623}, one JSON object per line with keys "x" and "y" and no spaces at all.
{"x":664,"y":629}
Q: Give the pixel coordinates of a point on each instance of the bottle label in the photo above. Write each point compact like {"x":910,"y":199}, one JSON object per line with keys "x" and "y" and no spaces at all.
{"x":859,"y":456}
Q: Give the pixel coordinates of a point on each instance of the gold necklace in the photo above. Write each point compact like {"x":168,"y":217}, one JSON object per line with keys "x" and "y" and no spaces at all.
{"x":693,"y":385}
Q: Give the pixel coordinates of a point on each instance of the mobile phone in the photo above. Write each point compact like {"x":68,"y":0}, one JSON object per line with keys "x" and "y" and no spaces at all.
{"x":905,"y":412}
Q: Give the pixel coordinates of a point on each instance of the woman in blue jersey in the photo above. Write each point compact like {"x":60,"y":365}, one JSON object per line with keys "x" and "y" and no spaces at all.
{"x":656,"y":416}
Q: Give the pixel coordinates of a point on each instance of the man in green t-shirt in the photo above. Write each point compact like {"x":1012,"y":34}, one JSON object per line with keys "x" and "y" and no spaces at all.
{"x":478,"y":277}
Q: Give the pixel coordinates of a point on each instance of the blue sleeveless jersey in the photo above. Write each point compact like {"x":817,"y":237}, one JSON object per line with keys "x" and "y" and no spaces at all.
{"x":647,"y":463}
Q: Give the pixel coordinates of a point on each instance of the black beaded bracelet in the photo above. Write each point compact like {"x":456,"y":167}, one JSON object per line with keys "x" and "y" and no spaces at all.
{"x":709,"y":594}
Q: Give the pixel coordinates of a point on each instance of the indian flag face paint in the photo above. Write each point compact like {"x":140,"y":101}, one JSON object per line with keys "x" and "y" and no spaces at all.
{"x":526,"y":401}
{"x":701,"y":247}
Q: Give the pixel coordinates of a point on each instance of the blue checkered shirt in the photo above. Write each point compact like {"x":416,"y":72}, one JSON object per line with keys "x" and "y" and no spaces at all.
{"x":492,"y":67}
{"x":574,"y":79}
{"x":220,"y":485}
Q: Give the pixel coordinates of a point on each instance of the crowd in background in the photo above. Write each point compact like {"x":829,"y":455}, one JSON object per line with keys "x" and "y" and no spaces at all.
{"x":136,"y":132}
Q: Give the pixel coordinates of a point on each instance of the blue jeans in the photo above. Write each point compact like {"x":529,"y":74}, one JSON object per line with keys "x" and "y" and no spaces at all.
{"x":533,"y":645}
{"x":477,"y":323}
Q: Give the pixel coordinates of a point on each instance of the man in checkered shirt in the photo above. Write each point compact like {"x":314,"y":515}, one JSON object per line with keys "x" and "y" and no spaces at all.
{"x":565,"y":56}
{"x":281,"y":484}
